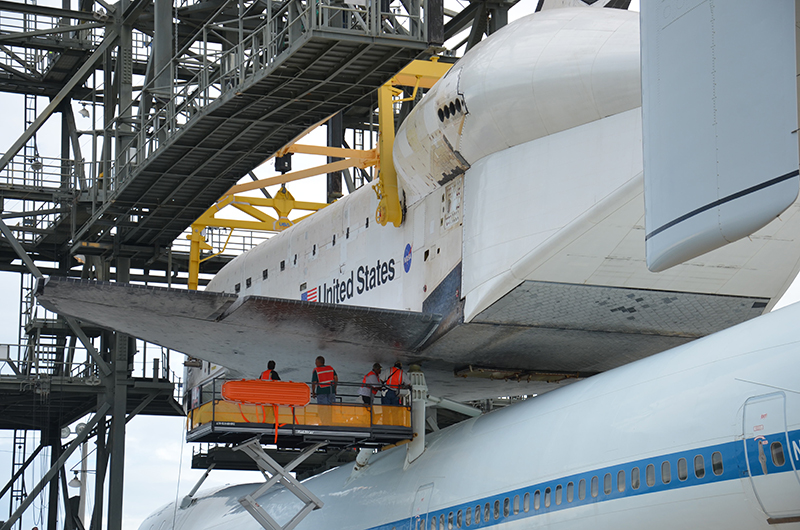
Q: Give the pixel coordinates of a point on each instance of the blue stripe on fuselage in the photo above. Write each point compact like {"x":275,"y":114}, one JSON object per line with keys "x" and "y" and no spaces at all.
{"x":734,"y":467}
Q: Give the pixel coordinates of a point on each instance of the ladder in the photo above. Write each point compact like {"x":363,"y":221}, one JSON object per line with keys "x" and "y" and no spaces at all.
{"x":18,"y":489}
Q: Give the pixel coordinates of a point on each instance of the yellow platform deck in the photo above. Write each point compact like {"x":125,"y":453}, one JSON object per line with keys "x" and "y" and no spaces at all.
{"x":340,"y":424}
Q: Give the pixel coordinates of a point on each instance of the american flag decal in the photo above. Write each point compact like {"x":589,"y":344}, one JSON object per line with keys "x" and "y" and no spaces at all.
{"x":309,"y":296}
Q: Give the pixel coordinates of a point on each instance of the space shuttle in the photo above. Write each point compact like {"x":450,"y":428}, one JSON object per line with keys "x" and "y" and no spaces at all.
{"x":565,"y":211}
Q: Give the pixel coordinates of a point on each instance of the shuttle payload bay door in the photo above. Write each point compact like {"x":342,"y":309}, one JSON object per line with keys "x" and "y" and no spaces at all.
{"x":771,"y":466}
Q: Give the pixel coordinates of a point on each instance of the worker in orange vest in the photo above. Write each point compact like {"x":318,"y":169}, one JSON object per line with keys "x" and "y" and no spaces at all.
{"x":323,"y":382}
{"x":371,"y":385}
{"x":393,"y":384}
{"x":270,"y":374}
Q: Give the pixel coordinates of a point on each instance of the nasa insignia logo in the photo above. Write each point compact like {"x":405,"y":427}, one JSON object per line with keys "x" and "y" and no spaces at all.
{"x":407,"y":258}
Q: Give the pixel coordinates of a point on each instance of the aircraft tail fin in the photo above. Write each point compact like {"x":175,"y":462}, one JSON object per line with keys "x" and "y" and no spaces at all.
{"x":719,"y":110}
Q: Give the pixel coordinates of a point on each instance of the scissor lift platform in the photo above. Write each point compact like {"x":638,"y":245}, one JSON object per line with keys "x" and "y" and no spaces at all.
{"x":338,"y":425}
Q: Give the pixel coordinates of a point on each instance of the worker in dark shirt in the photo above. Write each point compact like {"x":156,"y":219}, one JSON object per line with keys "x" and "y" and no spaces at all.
{"x":270,"y":374}
{"x":323,"y":382}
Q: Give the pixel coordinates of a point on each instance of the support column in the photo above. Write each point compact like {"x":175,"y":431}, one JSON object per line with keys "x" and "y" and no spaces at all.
{"x":122,"y":351}
{"x":162,"y":48}
{"x":101,"y":464}
{"x":52,"y":494}
{"x":335,"y":139}
{"x":498,"y":17}
{"x":419,"y":396}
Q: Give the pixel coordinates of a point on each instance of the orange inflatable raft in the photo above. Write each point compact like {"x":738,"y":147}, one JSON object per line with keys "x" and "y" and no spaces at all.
{"x":263,"y":392}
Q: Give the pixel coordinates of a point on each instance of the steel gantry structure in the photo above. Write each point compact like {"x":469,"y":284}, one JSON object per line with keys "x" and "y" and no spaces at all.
{"x":138,"y":116}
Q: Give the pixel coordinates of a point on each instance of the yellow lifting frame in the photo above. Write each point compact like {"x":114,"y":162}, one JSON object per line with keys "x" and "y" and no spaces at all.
{"x":418,"y":74}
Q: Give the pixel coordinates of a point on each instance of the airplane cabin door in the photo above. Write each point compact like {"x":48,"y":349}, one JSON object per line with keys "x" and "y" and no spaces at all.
{"x":419,"y":512}
{"x":771,"y":467}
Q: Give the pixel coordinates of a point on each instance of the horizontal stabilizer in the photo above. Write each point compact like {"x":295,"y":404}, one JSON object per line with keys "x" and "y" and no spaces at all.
{"x":719,"y":110}
{"x":238,"y":333}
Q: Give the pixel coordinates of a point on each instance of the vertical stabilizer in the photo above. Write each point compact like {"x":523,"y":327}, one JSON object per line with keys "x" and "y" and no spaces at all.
{"x":719,"y":122}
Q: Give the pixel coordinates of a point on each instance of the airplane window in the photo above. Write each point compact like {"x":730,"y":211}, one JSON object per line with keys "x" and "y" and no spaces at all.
{"x":333,"y":241}
{"x":607,"y":483}
{"x":699,"y":467}
{"x":446,"y":111}
{"x":314,"y":250}
{"x":595,"y":484}
{"x":248,"y":282}
{"x":420,"y":524}
{"x":558,"y":494}
{"x":650,"y":475}
{"x":526,"y":502}
{"x":303,"y":286}
{"x":716,"y":462}
{"x":264,"y":274}
{"x":458,"y":105}
{"x":441,"y":522}
{"x":477,"y":515}
{"x":283,"y":265}
{"x":295,"y":256}
{"x":516,"y":504}
{"x":347,"y":233}
{"x":459,"y":519}
{"x":506,"y":507}
{"x":683,"y":469}
{"x":582,"y":489}
{"x":433,"y":523}
{"x":621,"y":480}
{"x":547,"y":498}
{"x":366,"y":224}
{"x":452,"y":108}
{"x":487,"y":512}
{"x":666,"y":474}
{"x":237,"y":287}
{"x":441,"y":115}
{"x":570,"y":492}
{"x":469,"y":516}
{"x":497,"y":509}
{"x":635,"y":480}
{"x":778,"y":458}
{"x":450,"y":521}
{"x":537,"y":500}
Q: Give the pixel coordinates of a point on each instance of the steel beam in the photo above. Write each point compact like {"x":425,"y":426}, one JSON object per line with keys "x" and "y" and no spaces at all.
{"x":33,"y":9}
{"x":34,"y":270}
{"x":116,"y":476}
{"x":21,"y":470}
{"x":82,"y":72}
{"x":17,"y":37}
{"x":56,"y":467}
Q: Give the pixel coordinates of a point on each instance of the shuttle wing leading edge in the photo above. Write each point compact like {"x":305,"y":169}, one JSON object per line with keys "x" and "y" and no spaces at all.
{"x":720,"y":119}
{"x":241,"y":335}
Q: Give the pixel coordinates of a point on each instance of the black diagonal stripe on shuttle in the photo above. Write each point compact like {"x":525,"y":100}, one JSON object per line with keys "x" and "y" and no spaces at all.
{"x":719,"y":202}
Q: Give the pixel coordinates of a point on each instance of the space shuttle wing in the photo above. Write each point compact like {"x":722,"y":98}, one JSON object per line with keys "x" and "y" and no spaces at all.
{"x":719,"y":108}
{"x":238,"y":333}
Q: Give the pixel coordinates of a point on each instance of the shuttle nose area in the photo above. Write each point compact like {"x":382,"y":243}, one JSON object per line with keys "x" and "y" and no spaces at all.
{"x":543,"y":74}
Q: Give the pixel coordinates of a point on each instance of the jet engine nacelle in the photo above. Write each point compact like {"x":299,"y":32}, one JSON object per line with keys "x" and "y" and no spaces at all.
{"x":524,"y":83}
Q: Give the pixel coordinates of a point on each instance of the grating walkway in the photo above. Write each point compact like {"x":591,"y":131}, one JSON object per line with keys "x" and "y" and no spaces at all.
{"x":304,"y":64}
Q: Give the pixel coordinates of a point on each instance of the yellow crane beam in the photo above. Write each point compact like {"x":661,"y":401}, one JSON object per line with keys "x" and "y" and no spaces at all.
{"x":418,"y":74}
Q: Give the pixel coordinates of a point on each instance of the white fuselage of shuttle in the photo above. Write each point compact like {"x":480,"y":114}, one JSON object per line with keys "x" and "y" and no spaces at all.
{"x":522,"y":100}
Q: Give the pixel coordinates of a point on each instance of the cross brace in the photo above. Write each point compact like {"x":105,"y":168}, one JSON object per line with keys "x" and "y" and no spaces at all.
{"x":279,"y":474}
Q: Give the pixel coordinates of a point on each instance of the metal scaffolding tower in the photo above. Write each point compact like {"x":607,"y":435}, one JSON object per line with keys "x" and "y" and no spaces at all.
{"x":163,"y":106}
